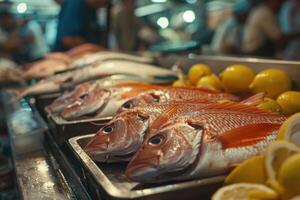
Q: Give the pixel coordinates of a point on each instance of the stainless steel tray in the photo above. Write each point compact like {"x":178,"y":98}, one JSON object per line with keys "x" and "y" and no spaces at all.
{"x":108,"y":181}
{"x":62,"y":129}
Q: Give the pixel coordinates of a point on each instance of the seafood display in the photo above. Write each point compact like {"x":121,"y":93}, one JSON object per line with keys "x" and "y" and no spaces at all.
{"x":206,"y":144}
{"x":134,"y":129}
{"x":69,"y":79}
{"x":123,"y":135}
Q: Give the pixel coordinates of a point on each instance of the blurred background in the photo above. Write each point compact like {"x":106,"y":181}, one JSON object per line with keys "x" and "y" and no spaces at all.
{"x":209,"y":27}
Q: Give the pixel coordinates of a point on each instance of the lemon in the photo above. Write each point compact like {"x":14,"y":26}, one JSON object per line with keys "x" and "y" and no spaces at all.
{"x":289,"y":102}
{"x":210,"y":82}
{"x":275,"y":156}
{"x":197,"y":71}
{"x":289,"y":176}
{"x":179,"y":83}
{"x":250,"y":171}
{"x":237,"y":78}
{"x":290,"y":130}
{"x":272,"y":81}
{"x":245,"y":191}
{"x":270,"y":105}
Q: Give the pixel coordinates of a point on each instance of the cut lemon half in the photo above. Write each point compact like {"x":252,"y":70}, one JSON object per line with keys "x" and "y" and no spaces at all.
{"x":249,"y":171}
{"x":290,"y":130}
{"x":275,"y":156}
{"x":245,"y":191}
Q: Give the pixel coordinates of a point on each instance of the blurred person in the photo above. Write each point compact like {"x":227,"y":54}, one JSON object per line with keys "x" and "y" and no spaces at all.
{"x":10,"y":40}
{"x":262,"y":35}
{"x":290,"y":23}
{"x":127,"y":27}
{"x":37,"y":46}
{"x":228,"y":36}
{"x":77,"y":23}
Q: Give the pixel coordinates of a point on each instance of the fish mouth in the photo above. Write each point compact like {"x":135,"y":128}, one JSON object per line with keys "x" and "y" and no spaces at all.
{"x":142,"y":170}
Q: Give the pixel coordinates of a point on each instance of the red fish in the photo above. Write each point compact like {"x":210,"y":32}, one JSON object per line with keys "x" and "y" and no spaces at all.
{"x":124,"y":134}
{"x":104,"y":101}
{"x":176,"y":93}
{"x":220,"y":136}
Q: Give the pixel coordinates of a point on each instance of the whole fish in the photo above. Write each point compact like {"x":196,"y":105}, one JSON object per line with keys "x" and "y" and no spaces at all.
{"x":124,"y":134}
{"x":219,"y":137}
{"x":108,"y":55}
{"x":69,"y":79}
{"x":45,"y":68}
{"x":104,"y":101}
{"x":175,"y":93}
{"x":80,"y":91}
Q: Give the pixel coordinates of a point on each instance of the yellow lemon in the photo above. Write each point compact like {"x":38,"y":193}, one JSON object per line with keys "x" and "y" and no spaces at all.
{"x":289,"y":102}
{"x":250,"y":171}
{"x":210,"y":82}
{"x":289,"y":176}
{"x":290,"y":130}
{"x":275,"y":156}
{"x":270,"y":105}
{"x":237,"y":78}
{"x":179,"y":83}
{"x":197,"y":71}
{"x":245,"y":191}
{"x":272,"y":81}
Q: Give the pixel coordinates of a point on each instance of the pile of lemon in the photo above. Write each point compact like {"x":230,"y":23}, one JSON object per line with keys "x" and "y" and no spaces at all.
{"x":275,"y":83}
{"x":273,"y":175}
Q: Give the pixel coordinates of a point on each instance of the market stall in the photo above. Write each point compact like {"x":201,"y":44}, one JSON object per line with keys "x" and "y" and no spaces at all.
{"x":53,"y":135}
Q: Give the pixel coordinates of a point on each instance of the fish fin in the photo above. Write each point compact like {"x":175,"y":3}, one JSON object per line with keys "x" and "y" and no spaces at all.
{"x":237,"y":106}
{"x":255,"y":99}
{"x":247,"y":135}
{"x":163,"y":118}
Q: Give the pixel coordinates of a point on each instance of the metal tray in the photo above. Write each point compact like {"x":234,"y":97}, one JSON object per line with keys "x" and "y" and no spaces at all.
{"x":42,"y":101}
{"x":107,"y":181}
{"x":62,"y":129}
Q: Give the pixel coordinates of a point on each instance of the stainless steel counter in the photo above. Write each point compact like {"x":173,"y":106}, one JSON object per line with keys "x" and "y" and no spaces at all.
{"x":37,"y":176}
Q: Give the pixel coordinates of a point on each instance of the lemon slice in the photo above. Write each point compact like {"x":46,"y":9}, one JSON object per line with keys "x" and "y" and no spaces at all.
{"x":290,"y":130}
{"x":275,"y":156}
{"x":250,"y":171}
{"x":245,"y":191}
{"x":289,"y":176}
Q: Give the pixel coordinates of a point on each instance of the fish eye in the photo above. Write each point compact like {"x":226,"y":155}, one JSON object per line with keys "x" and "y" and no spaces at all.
{"x":107,"y":129}
{"x":156,"y":140}
{"x":127,"y":105}
{"x":155,"y":97}
{"x":83,"y":96}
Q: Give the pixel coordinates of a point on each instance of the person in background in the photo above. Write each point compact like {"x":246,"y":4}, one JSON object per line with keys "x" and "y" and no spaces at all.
{"x":77,"y":23}
{"x":262,"y":35}
{"x":228,"y":36}
{"x":37,"y":46}
{"x":290,"y":24}
{"x":10,"y":40}
{"x":127,"y":27}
